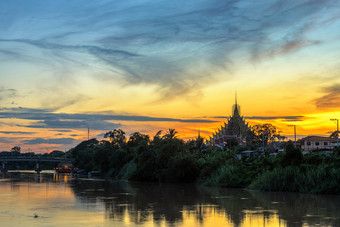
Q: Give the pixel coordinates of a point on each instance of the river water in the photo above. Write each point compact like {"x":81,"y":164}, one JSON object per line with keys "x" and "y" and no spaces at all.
{"x":46,"y":199}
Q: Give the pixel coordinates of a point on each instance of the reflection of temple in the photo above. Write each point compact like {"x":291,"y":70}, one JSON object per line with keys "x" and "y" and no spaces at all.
{"x":235,"y":128}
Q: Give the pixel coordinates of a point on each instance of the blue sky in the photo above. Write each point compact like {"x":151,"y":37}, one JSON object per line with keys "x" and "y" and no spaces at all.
{"x":166,"y":59}
{"x":168,"y":43}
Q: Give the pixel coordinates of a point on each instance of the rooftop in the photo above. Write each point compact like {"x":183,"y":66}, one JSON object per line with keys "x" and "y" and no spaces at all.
{"x":317,"y":138}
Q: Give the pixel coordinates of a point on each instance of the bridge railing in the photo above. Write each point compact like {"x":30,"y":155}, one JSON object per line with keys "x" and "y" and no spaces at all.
{"x":37,"y":159}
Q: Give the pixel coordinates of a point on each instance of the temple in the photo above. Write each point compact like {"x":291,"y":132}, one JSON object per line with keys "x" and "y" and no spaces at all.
{"x":235,"y":128}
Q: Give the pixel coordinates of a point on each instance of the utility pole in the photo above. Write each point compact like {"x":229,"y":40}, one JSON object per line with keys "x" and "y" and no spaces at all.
{"x":337,"y":130}
{"x":294,"y":133}
{"x":88,"y":133}
{"x":262,"y":139}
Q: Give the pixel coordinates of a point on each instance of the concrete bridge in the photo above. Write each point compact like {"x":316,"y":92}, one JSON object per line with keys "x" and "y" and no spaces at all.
{"x":38,"y":160}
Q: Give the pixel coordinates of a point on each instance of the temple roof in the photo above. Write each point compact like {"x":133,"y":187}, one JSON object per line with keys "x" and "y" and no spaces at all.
{"x":236,"y":110}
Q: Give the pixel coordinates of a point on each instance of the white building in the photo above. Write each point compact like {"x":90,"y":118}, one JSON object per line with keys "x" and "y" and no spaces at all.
{"x":317,"y":143}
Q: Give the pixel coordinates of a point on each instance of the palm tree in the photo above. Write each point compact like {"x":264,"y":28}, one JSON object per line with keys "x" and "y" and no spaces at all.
{"x":170,"y":134}
{"x":158,"y":134}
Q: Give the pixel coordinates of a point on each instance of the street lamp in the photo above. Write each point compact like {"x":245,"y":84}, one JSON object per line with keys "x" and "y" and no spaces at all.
{"x":294,"y":133}
{"x":337,"y":130}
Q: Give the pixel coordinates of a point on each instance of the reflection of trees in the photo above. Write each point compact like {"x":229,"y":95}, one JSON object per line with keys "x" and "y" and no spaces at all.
{"x":299,"y":208}
{"x":294,"y":209}
{"x":143,"y":200}
{"x":167,"y":202}
{"x":171,"y":202}
{"x":235,"y":203}
{"x":162,"y":201}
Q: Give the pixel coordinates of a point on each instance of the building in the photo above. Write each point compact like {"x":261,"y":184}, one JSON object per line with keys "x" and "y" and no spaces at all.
{"x":317,"y":143}
{"x":235,"y":128}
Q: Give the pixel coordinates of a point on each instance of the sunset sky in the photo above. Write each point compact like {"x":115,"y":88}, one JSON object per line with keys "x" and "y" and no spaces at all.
{"x":151,"y":65}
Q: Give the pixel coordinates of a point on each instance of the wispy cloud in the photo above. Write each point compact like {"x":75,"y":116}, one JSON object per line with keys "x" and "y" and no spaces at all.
{"x":6,"y":140}
{"x":173,"y":44}
{"x":17,"y":132}
{"x":288,"y":118}
{"x":93,"y":124}
{"x":97,"y":121}
{"x":66,"y":141}
{"x":8,"y":54}
{"x":331,"y":99}
{"x":289,"y":47}
{"x":7,"y":93}
{"x":61,"y":130}
{"x":95,"y":50}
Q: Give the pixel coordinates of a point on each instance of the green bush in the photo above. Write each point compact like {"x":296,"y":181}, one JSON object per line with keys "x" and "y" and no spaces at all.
{"x":184,"y":166}
{"x":336,"y":151}
{"x":311,"y":179}
{"x":279,"y":179}
{"x":231,"y":174}
{"x":210,"y":162}
{"x":314,"y":158}
{"x":127,"y":171}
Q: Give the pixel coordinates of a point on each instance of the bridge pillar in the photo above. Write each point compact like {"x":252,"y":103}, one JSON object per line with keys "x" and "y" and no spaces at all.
{"x":4,"y":166}
{"x":37,"y":169}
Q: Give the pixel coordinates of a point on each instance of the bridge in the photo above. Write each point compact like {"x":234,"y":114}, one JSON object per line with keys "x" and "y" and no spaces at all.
{"x":38,"y":160}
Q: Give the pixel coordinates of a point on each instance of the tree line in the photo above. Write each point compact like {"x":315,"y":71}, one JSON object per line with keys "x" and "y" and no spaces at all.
{"x":167,"y":158}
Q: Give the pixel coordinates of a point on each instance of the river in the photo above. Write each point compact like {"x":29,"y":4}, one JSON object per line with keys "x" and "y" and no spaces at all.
{"x":46,"y":199}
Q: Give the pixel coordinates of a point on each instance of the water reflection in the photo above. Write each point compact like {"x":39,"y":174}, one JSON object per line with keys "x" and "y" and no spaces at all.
{"x":63,"y":200}
{"x":176,"y":204}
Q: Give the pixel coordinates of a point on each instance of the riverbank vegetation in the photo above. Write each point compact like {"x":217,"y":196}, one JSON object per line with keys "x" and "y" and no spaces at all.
{"x":167,"y":158}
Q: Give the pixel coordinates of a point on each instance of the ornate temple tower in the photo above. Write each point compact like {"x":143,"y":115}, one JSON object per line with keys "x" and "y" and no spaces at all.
{"x":235,"y":128}
{"x":236,"y":124}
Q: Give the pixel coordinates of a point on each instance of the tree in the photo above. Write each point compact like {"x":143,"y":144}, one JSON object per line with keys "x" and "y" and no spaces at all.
{"x":158,"y":134}
{"x":57,"y":153}
{"x":334,"y":135}
{"x":15,"y":150}
{"x":264,"y":133}
{"x":87,"y":144}
{"x":83,"y":154}
{"x":116,"y":136}
{"x":137,"y":138}
{"x":170,"y":134}
{"x":280,"y":138}
{"x":138,"y":142}
{"x":292,"y":156}
{"x":196,"y":145}
{"x":200,"y":144}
